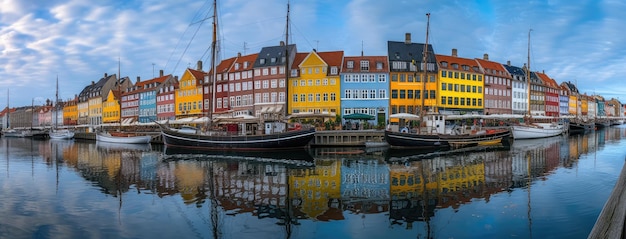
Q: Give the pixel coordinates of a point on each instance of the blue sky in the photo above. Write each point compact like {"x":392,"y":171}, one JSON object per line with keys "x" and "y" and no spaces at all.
{"x":80,"y":40}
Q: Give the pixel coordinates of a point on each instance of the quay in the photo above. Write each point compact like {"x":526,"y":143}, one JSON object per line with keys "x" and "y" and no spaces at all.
{"x":610,"y":222}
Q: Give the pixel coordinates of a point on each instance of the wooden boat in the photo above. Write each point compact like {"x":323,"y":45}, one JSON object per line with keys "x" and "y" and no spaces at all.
{"x":577,"y":127}
{"x":61,"y":134}
{"x":537,"y":130}
{"x":123,"y":138}
{"x":215,"y":140}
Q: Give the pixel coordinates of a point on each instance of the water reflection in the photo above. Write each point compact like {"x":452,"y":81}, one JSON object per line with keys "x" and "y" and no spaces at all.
{"x":328,"y":185}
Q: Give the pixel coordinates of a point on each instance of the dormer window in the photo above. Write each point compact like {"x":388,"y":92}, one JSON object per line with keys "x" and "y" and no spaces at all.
{"x":475,"y":68}
{"x":465,"y":67}
{"x":245,"y":65}
{"x":350,"y":64}
{"x":333,"y":70}
{"x":273,"y":60}
{"x":455,"y":66}
{"x":262,"y":61}
{"x":444,"y":64}
{"x":283,"y":59}
{"x":365,"y":65}
{"x":236,"y":66}
{"x":379,"y":65}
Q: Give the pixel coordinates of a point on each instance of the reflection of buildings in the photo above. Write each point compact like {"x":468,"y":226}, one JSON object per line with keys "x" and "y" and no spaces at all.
{"x":320,"y":189}
{"x":365,"y":185}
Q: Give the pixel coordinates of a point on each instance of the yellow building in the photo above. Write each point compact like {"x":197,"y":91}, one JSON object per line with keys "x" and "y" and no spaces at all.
{"x":95,"y":110}
{"x":316,"y":90}
{"x":111,"y":108}
{"x":413,"y":77}
{"x":573,"y":105}
{"x":189,"y":96}
{"x":70,"y":112}
{"x":461,"y":84}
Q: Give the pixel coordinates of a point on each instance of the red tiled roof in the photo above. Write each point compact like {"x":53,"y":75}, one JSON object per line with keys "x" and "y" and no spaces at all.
{"x":486,"y":64}
{"x":548,"y":81}
{"x":224,"y":66}
{"x":458,"y":60}
{"x":372,"y":59}
{"x":199,"y":75}
{"x":247,"y":58}
{"x":332,"y":58}
{"x":298,"y":59}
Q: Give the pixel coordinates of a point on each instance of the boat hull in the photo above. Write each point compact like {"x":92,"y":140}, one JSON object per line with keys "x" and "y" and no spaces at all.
{"x":289,"y":139}
{"x":62,"y":134}
{"x":142,"y":139}
{"x":400,"y":139}
{"x":536,"y":131}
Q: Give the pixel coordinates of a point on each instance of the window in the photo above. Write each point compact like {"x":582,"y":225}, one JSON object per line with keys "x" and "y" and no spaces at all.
{"x":394,"y":94}
{"x":382,"y":78}
{"x":443,"y":100}
{"x":350,"y":64}
{"x":347,"y":94}
{"x":432,"y":94}
{"x":418,"y":94}
{"x":365,"y":65}
{"x":410,"y":94}
{"x":443,"y":86}
{"x":332,"y":97}
{"x":402,"y":94}
{"x":333,"y":70}
{"x":302,"y":97}
{"x":310,"y":97}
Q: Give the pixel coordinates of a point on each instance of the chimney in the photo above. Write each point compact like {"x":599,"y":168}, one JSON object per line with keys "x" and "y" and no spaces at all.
{"x":176,"y":78}
{"x":238,"y":54}
{"x":282,"y":43}
{"x":105,"y":75}
{"x":508,"y":63}
{"x":454,"y":52}
{"x":138,"y":79}
{"x":486,"y":57}
{"x":160,"y":73}
{"x":407,"y":38}
{"x":199,"y":66}
{"x":93,"y":83}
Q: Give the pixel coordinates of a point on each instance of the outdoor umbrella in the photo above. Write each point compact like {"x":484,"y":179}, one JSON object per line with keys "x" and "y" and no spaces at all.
{"x":358,"y":116}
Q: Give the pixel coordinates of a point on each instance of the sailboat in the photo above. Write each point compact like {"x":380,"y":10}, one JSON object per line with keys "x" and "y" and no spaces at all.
{"x":59,"y":133}
{"x":530,"y":130}
{"x":437,"y":134}
{"x":278,"y":139}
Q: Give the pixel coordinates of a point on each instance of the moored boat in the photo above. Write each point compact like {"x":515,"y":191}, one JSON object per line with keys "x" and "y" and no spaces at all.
{"x":219,"y":140}
{"x":61,"y":134}
{"x":123,"y":138}
{"x":537,"y":130}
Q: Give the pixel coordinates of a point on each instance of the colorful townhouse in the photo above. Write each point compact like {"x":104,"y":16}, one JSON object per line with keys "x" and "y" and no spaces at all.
{"x":573,"y":105}
{"x":165,"y":102}
{"x":462,"y":85}
{"x":241,"y":86}
{"x":70,"y":111}
{"x":219,"y":101}
{"x":317,"y":89}
{"x":90,"y":100}
{"x":45,"y":115}
{"x":189,"y":95}
{"x":4,"y":117}
{"x":83,"y":104}
{"x":270,"y":81}
{"x":563,"y":100}
{"x":498,"y":87}
{"x":364,"y":87}
{"x":413,"y":80}
{"x":148,"y":97}
{"x":111,"y":107}
{"x":129,"y":103}
{"x":551,"y":94}
{"x":519,"y":89}
{"x":537,"y":95}
{"x":600,"y":106}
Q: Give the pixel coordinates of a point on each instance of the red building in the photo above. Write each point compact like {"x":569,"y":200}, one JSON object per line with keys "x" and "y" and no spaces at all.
{"x":551,"y":89}
{"x":498,"y":87}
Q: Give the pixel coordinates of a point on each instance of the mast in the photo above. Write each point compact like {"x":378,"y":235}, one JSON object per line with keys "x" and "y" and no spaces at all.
{"x":287,"y":70}
{"x":213,"y":59}
{"x":528,"y":72}
{"x":424,"y":59}
{"x":8,"y":111}
{"x":56,"y":104}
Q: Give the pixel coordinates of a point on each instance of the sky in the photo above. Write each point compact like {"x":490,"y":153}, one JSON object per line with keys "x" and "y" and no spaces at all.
{"x":78,"y":41}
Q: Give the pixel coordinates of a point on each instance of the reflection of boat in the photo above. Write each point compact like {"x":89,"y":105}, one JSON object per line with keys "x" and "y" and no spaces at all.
{"x":122,"y":146}
{"x":401,"y":155}
{"x":289,"y":155}
{"x":530,"y":144}
{"x":123,"y":138}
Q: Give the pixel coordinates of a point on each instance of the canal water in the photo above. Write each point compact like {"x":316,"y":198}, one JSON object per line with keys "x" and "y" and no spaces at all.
{"x":544,"y":188}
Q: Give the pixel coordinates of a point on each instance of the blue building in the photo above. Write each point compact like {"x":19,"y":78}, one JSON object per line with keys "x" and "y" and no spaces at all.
{"x":365,"y":88}
{"x":148,"y":97}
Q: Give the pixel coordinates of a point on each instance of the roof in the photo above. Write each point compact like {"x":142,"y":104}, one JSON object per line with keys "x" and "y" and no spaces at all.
{"x":332,"y":58}
{"x":298,"y":60}
{"x":276,"y":52}
{"x":223,"y":66}
{"x":492,"y":67}
{"x":473,"y":64}
{"x":374,"y":60}
{"x":547,"y":80}
{"x":400,"y":51}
